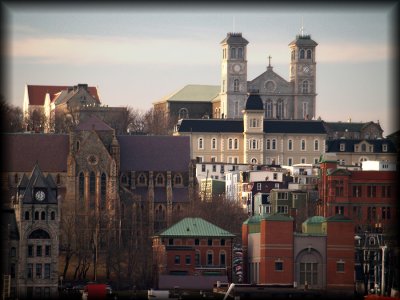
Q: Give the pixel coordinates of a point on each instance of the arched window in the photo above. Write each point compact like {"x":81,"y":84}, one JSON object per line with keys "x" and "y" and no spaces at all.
{"x":26,"y":215}
{"x":240,"y":52}
{"x":178,"y":179}
{"x":200,"y":143}
{"x":233,"y":53}
{"x":268,"y":144}
{"x":316,"y":145}
{"x":309,"y":52}
{"x":36,"y":215}
{"x":290,"y":144}
{"x":213,"y":143}
{"x":273,"y":144}
{"x":142,"y":179}
{"x":103,"y":189}
{"x":302,"y":53}
{"x":363,"y":148}
{"x":293,"y":55}
{"x":254,"y":160}
{"x":92,"y":183}
{"x":52,"y":215}
{"x":39,"y":234}
{"x":303,"y":145}
{"x":236,"y":85}
{"x":183,"y":113}
{"x":81,"y":185}
{"x":236,"y":143}
{"x":43,"y":215}
{"x":230,"y":143}
{"x":210,"y":258}
{"x":124,"y":179}
{"x":279,"y":110}
{"x":304,"y":87}
{"x":268,"y":109}
{"x":160,"y":179}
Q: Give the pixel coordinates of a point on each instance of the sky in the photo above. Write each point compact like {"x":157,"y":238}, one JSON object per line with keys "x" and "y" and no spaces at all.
{"x":136,"y":53}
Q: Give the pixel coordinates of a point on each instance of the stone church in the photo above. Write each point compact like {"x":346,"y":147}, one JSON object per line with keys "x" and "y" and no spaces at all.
{"x":293,"y":99}
{"x":113,"y":189}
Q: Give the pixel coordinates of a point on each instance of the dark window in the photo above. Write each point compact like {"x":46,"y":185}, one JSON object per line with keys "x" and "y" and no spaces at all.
{"x":92,"y":183}
{"x":188,"y":260}
{"x":357,"y":191}
{"x":38,"y":250}
{"x":170,"y":241}
{"x":39,"y":234}
{"x":46,"y":271}
{"x":371,"y":191}
{"x":52,"y":215}
{"x":177,"y":259}
{"x":197,"y":258}
{"x":27,"y":215}
{"x":103,"y":189}
{"x":38,"y":270}
{"x":209,"y":242}
{"x":340,"y":267}
{"x":13,"y":252}
{"x":36,"y":215}
{"x":222,"y":242}
{"x":209,"y":258}
{"x":222,"y":259}
{"x":29,"y":271}
{"x":278,"y":266}
{"x":197,"y":242}
{"x":43,"y":215}
{"x":308,"y":54}
{"x":12,"y":270}
{"x":30,"y":250}
{"x":47,"y":250}
{"x":301,"y":53}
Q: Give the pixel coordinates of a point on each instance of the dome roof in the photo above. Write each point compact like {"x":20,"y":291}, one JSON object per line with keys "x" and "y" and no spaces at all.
{"x":315,"y":220}
{"x":254,"y":102}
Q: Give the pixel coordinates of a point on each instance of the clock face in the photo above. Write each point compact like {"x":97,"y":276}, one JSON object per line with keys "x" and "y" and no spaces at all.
{"x":40,"y":195}
{"x":92,"y":159}
{"x":236,"y":68}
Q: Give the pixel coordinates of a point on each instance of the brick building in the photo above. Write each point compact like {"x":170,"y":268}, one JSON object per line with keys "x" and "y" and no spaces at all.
{"x":192,"y":253}
{"x":367,"y":197}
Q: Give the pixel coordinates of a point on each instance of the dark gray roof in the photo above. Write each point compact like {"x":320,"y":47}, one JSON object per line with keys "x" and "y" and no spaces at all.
{"x":93,"y":123}
{"x":303,"y":40}
{"x":154,"y":153}
{"x":349,"y":126}
{"x":236,"y":126}
{"x":254,"y":102}
{"x":334,"y":145}
{"x":23,"y":150}
{"x":234,"y":38}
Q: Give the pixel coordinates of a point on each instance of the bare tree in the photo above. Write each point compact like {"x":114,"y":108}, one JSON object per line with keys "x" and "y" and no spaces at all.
{"x":157,"y":122}
{"x":12,"y":117}
{"x":36,"y":120}
{"x":135,"y":120}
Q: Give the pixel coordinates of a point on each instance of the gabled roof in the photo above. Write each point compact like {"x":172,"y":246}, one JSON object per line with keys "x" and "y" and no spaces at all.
{"x":350,"y":126}
{"x":93,"y":123}
{"x":334,"y":145}
{"x":194,"y":227}
{"x":303,"y":40}
{"x":194,"y":93}
{"x":234,"y":38}
{"x":154,"y":153}
{"x":23,"y":150}
{"x":37,"y":93}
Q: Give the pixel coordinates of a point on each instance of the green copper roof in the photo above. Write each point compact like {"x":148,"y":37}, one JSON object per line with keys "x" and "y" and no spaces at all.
{"x":315,"y":220}
{"x":253,"y":219}
{"x":191,"y":227}
{"x":338,"y":218}
{"x":195,"y":92}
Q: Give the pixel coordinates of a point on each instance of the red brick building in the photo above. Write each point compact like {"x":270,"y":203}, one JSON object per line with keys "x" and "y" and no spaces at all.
{"x":367,"y":197}
{"x":193,"y":253}
{"x":321,"y":257}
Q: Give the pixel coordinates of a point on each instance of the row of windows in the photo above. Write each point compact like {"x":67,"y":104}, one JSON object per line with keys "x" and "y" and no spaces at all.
{"x":363,"y":148}
{"x":270,"y":144}
{"x":197,"y":242}
{"x":372,"y":214}
{"x":303,"y":54}
{"x":159,"y":180}
{"x":268,"y":160}
{"x":40,"y":215}
{"x":197,"y":259}
{"x":234,"y":53}
{"x":371,"y":192}
{"x":41,"y":271}
{"x":39,"y":250}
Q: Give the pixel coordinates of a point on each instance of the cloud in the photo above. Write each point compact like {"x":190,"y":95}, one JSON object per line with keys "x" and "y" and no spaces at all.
{"x":108,"y":50}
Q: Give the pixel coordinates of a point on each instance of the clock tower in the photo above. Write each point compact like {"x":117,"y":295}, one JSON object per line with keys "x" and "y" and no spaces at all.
{"x":233,"y":92}
{"x":303,"y":76}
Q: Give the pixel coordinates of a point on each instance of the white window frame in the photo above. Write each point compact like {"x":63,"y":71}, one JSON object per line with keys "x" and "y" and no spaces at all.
{"x":384,"y":147}
{"x":316,"y":145}
{"x":273,"y":144}
{"x":342,"y":147}
{"x":214,"y":143}
{"x":268,"y":144}
{"x":301,"y":145}
{"x":200,"y":143}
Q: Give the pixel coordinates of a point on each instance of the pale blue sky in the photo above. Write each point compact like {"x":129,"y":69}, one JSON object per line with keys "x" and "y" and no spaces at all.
{"x":136,"y":54}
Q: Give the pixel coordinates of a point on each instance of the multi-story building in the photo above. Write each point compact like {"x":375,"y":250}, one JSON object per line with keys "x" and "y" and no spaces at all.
{"x":192,"y":253}
{"x":276,"y":254}
{"x":254,"y":140}
{"x":38,"y":210}
{"x":210,"y":188}
{"x":367,"y":197}
{"x":353,"y":130}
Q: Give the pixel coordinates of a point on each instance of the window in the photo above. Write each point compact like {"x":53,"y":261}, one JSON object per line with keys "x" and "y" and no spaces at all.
{"x":309,"y":273}
{"x":178,"y":179}
{"x":236,"y":144}
{"x":236,"y":85}
{"x":340,"y":266}
{"x":30,"y":250}
{"x":273,"y":144}
{"x":301,"y":53}
{"x":233,"y":52}
{"x":38,"y":250}
{"x":43,"y":215}
{"x":36,"y":215}
{"x":170,"y":242}
{"x":213,"y":143}
{"x":258,"y":186}
{"x":222,"y":258}
{"x":52,"y":215}
{"x":209,"y":242}
{"x":363,"y":148}
{"x":197,"y":258}
{"x":197,"y":242}
{"x":160,"y":179}
{"x":209,"y":258}
{"x":29,"y":271}
{"x":188,"y":260}
{"x":103,"y":189}
{"x":222,"y":242}
{"x":278,"y":266}
{"x":230,"y":143}
{"x":26,"y":215}
{"x":282,"y":196}
{"x":303,"y":145}
{"x":342,"y":147}
{"x":357,"y":191}
{"x":92,"y":183}
{"x":309,"y":52}
{"x":304,"y":86}
{"x":183,"y":113}
{"x":268,"y":109}
{"x":46,"y":271}
{"x":371,"y":191}
{"x":386,"y":191}
{"x":279,"y":110}
{"x":200,"y":143}
{"x":47,"y":250}
{"x":268,"y":144}
{"x":384,"y":148}
{"x":275,"y":176}
{"x":316,"y":145}
{"x":305,"y":110}
{"x":38,"y":270}
{"x":177,"y":259}
{"x":240,"y":52}
{"x":12,"y":270}
{"x":290,"y":161}
{"x":13,"y":252}
{"x":253,"y":144}
{"x":81,"y":185}
{"x":254,"y":123}
{"x":290,"y":145}
{"x":282,"y":209}
{"x":316,"y":160}
{"x":339,"y":210}
{"x":203,"y":168}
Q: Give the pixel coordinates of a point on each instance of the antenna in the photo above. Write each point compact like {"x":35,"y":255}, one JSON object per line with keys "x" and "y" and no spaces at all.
{"x":302,"y":26}
{"x":233,"y":24}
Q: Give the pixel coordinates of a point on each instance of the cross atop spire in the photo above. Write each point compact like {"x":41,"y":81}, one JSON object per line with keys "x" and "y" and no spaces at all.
{"x":269,"y":61}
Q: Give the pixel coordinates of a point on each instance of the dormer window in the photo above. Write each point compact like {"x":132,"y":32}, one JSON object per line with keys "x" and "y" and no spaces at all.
{"x":363,"y":148}
{"x":342,"y":147}
{"x":254,"y":123}
{"x":384,"y":148}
